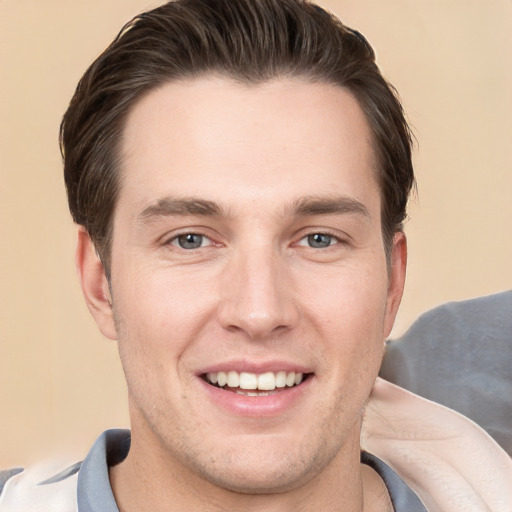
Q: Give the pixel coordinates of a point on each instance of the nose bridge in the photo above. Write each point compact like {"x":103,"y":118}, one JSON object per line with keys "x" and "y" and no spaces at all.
{"x":256,"y":296}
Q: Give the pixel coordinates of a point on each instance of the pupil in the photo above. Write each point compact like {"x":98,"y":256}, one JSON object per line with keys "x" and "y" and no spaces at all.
{"x":319,"y":240}
{"x":190,"y":241}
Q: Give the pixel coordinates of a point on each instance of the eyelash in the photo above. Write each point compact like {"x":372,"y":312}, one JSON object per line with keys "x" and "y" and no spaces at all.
{"x":308,"y":238}
{"x":175,"y":240}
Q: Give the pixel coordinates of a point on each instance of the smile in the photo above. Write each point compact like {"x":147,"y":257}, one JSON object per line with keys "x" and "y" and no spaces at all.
{"x":252,"y":384}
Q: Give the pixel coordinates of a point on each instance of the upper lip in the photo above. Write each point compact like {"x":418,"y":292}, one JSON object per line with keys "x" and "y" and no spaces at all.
{"x":255,"y":367}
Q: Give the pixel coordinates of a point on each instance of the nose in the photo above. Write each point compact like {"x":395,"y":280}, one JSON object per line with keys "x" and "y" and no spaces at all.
{"x":257,"y":295}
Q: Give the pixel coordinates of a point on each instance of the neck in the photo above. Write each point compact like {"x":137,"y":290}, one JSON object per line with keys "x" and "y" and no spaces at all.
{"x":146,"y":481}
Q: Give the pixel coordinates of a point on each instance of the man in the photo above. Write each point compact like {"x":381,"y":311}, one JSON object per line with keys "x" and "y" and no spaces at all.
{"x":239,"y":172}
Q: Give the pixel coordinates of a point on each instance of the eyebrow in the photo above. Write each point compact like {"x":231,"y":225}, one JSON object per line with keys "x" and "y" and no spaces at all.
{"x":328,"y":205}
{"x":169,"y":206}
{"x":302,"y":207}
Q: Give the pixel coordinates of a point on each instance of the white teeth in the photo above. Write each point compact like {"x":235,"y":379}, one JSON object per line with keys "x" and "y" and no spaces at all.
{"x":222,"y":378}
{"x":250,"y":381}
{"x":233,"y":379}
{"x":250,"y":393}
{"x":267,"y":381}
{"x":290,"y":379}
{"x":280,"y":379}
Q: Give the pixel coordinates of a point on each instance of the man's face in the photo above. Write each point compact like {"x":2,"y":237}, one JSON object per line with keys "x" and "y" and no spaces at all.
{"x":247,"y":245}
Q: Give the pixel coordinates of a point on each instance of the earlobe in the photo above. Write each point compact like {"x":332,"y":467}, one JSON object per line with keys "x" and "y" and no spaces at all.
{"x":94,"y":284}
{"x":398,"y":265}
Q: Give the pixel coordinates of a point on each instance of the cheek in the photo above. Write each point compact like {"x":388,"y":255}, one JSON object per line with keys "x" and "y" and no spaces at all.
{"x":346,"y":300}
{"x":347,"y":310}
{"x":158,"y":316}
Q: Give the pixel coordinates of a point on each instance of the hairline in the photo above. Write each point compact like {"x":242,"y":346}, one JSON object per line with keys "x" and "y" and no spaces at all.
{"x":119,"y":153}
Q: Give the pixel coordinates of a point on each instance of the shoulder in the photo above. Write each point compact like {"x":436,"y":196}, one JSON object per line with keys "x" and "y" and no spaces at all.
{"x":445,"y":458}
{"x":459,"y":355}
{"x":50,"y":485}
{"x":5,"y":474}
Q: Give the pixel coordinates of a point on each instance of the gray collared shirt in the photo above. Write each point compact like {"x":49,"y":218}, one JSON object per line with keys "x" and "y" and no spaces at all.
{"x":95,"y":494}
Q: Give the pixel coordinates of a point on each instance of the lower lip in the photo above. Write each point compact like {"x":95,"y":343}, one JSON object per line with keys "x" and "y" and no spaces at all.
{"x":256,"y":406}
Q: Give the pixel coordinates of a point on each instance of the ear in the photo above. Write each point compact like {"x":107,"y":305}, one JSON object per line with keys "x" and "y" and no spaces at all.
{"x":94,"y":284}
{"x":398,"y":265}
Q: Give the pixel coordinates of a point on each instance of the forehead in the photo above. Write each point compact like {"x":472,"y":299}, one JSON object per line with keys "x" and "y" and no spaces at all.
{"x":268,"y":141}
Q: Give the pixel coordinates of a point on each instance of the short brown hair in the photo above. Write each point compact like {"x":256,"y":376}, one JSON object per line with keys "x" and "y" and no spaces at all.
{"x":248,"y":40}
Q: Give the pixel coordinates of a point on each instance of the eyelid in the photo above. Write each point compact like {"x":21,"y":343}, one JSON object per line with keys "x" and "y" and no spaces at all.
{"x":305,"y":237}
{"x":339,"y":237}
{"x":173,"y":239}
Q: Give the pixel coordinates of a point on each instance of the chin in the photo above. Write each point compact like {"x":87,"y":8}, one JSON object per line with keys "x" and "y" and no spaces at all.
{"x":266,"y":467}
{"x":264,"y":479}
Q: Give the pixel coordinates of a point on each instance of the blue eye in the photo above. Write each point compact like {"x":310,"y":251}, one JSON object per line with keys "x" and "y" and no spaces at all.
{"x":190,"y":241}
{"x":320,"y":240}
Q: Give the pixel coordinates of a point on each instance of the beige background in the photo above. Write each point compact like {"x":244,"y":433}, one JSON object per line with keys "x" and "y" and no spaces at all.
{"x":60,"y":382}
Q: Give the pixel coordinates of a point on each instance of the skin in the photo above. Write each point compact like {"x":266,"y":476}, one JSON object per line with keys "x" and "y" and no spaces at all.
{"x":270,"y":165}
